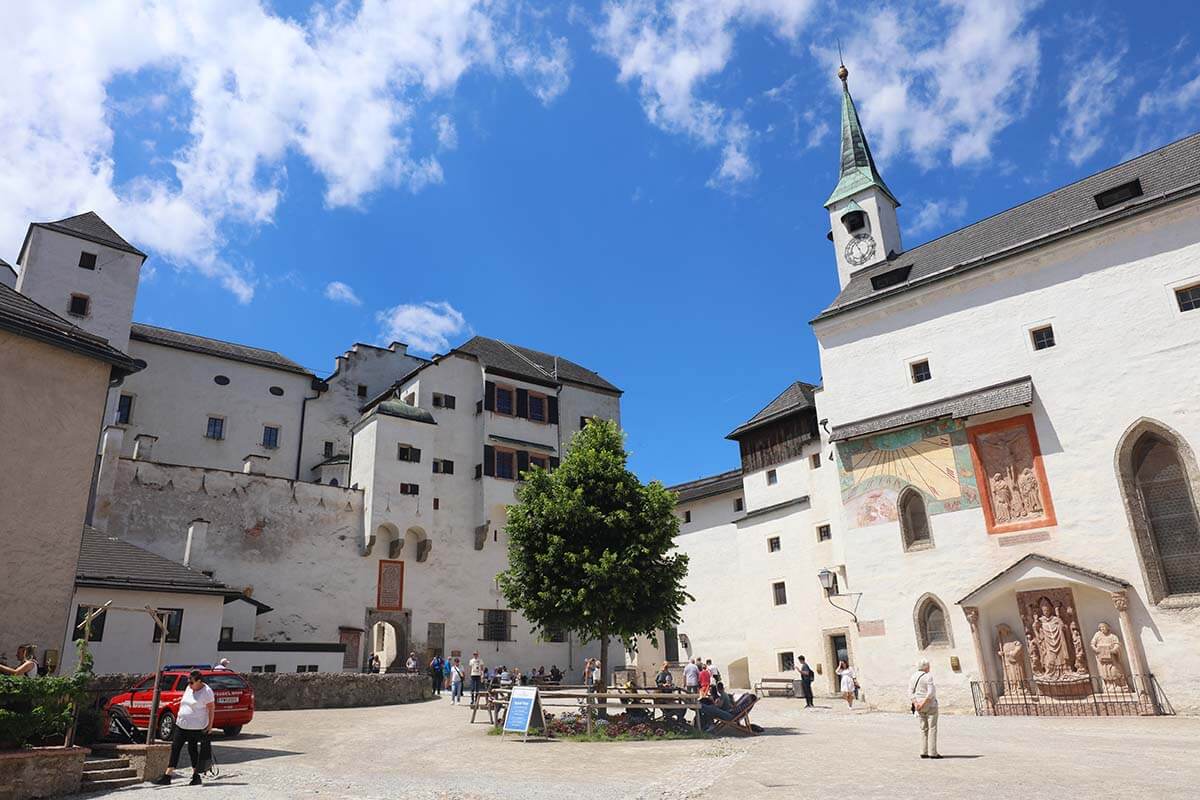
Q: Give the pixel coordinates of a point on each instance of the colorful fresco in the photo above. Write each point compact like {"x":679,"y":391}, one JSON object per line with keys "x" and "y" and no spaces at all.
{"x":933,"y":458}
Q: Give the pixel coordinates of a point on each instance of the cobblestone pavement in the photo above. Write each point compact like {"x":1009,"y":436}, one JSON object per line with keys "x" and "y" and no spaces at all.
{"x":429,"y":751}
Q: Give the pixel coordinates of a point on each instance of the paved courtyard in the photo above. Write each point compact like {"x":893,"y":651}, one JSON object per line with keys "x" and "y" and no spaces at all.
{"x":428,"y":750}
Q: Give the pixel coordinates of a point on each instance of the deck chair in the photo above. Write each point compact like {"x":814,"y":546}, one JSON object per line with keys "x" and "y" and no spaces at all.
{"x":740,"y":723}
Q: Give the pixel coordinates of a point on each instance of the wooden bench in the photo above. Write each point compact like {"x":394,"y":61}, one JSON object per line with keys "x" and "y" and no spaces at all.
{"x":767,"y":685}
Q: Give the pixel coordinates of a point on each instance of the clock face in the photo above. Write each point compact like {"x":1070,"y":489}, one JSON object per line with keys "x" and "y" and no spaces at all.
{"x":860,"y":249}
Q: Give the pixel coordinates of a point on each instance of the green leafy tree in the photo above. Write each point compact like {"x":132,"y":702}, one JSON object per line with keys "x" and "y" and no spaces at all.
{"x":589,"y":546}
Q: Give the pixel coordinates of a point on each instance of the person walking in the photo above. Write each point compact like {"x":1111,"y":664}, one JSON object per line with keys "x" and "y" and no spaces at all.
{"x":691,"y":677}
{"x":587,"y":673}
{"x":806,"y":681}
{"x":705,"y":677}
{"x":456,"y":683}
{"x":193,"y":725}
{"x":446,"y":674}
{"x":435,"y":674}
{"x":713,"y":671}
{"x":925,"y":706}
{"x":475,"y":667}
{"x":848,"y":681}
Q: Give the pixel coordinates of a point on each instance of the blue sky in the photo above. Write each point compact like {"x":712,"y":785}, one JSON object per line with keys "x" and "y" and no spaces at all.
{"x":634,"y":185}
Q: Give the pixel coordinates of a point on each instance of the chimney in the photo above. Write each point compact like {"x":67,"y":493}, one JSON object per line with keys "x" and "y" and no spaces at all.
{"x":106,"y":478}
{"x":143,"y":447}
{"x":255,"y":464}
{"x":197,"y":535}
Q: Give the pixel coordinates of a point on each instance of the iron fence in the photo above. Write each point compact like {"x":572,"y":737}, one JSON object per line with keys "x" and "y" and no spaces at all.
{"x":1087,"y":697}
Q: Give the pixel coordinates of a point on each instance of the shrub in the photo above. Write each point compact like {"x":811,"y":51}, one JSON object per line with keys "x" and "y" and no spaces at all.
{"x":33,"y":709}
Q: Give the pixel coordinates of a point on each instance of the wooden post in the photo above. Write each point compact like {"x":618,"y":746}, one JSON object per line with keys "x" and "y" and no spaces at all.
{"x":162,"y":637}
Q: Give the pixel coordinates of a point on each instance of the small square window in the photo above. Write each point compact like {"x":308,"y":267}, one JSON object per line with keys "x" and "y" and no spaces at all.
{"x":95,"y":630}
{"x":824,"y":533}
{"x":774,"y":545}
{"x":787,"y":662}
{"x":226,"y":634}
{"x":268,"y":668}
{"x":504,"y":401}
{"x":739,"y":504}
{"x":216,"y":428}
{"x":437,"y":503}
{"x":687,"y":516}
{"x":1188,"y":297}
{"x":270,"y":438}
{"x":87,"y":260}
{"x":1043,"y":337}
{"x":814,"y":461}
{"x":124,"y":409}
{"x":772,"y":477}
{"x":328,"y":450}
{"x":362,"y":390}
{"x":780,"y":592}
{"x":174,"y":620}
{"x":406,"y":452}
{"x":79,"y":305}
{"x":920,"y":371}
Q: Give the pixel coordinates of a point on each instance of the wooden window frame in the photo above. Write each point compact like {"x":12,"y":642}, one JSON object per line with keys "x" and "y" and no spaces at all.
{"x":278,"y":434}
{"x":824,"y":532}
{"x":512,"y":400}
{"x":172,"y":638}
{"x":772,"y":477}
{"x":87,"y":305}
{"x":912,"y":371}
{"x":208,"y":426}
{"x":1034,"y":341}
{"x":778,"y":588}
{"x":128,"y":400}
{"x":496,"y":463}
{"x":1192,"y":292}
{"x":83,"y":256}
{"x":739,"y":504}
{"x":774,"y":544}
{"x":545,"y":420}
{"x":96,"y":631}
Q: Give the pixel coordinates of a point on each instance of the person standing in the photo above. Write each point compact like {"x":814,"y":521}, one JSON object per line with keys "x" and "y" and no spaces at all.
{"x":435,"y":674}
{"x":713,"y":671}
{"x":223,"y":664}
{"x":456,"y":683}
{"x":26,"y":662}
{"x":806,"y":681}
{"x":925,"y":706}
{"x":691,"y":677}
{"x":705,"y":678}
{"x":446,"y":674}
{"x":193,"y":726}
{"x":848,"y":682}
{"x":587,"y":673}
{"x":475,"y":666}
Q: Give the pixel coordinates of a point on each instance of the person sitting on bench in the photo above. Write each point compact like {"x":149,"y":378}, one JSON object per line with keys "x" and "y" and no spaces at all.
{"x":711,"y":710}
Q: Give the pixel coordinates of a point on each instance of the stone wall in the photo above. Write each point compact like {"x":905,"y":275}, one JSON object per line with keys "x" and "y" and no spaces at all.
{"x":41,"y":772}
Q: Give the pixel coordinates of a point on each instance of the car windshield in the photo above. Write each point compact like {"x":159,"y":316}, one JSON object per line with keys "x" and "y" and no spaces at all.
{"x":224,"y":682}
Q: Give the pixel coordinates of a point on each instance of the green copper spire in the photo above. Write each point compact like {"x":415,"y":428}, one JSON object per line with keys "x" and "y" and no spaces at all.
{"x":858,"y":167}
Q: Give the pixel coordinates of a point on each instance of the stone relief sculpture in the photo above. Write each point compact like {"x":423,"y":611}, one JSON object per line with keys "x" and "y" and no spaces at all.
{"x":1012,"y":656}
{"x":1107,"y":648}
{"x":1055,"y":645}
{"x":1006,"y":457}
{"x":1077,"y":643}
{"x":1035,"y":658}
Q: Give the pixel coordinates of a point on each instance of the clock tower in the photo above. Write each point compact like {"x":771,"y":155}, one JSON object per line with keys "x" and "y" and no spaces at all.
{"x":862,"y":210}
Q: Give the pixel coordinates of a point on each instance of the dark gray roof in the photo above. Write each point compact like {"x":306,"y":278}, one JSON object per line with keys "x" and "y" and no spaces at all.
{"x":88,"y":225}
{"x":108,"y":561}
{"x":1017,"y":392}
{"x":401,"y":409}
{"x":708,"y":487}
{"x":23,"y":316}
{"x":758,"y":512}
{"x":213,"y":347}
{"x":797,"y":397}
{"x":525,"y":363}
{"x":1109,"y":582}
{"x":1166,"y":174}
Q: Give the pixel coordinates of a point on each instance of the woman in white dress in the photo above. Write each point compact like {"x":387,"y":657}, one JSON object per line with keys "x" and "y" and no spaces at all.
{"x":847,"y":682}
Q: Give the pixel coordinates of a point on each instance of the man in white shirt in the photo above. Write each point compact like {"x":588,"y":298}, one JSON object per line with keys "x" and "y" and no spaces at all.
{"x":691,"y":677}
{"x":223,"y":664}
{"x":925,"y":704}
{"x":475,"y":666}
{"x":192,"y":725}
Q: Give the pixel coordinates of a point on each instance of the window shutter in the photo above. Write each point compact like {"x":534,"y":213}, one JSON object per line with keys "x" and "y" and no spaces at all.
{"x":414,"y":455}
{"x":553,"y":462}
{"x":447,"y":467}
{"x":448,"y":401}
{"x":523,"y":403}
{"x":489,"y":396}
{"x":414,"y":489}
{"x":522,"y":461}
{"x":437,"y":466}
{"x":552,"y":403}
{"x":489,"y":460}
{"x":478,"y":471}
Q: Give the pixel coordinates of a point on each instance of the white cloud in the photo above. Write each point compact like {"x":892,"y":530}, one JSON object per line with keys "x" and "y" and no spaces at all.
{"x":247,"y":88}
{"x":945,"y":83}
{"x":937,"y":215}
{"x":341,"y":293}
{"x":1091,"y":96}
{"x":424,"y":327}
{"x":447,"y":134}
{"x":670,"y":50}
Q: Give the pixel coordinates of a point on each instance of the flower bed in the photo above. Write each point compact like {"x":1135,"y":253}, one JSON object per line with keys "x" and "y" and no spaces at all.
{"x":621,"y":727}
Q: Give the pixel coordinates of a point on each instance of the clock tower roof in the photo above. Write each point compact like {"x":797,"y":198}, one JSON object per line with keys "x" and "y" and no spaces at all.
{"x":857,"y":170}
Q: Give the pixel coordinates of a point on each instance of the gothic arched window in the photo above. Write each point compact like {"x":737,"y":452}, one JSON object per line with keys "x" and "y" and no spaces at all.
{"x":1159,"y":491}
{"x":933,"y":629}
{"x":914,"y":522}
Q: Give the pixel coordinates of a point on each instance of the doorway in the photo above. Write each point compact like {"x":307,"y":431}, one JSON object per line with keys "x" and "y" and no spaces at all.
{"x":837,"y":648}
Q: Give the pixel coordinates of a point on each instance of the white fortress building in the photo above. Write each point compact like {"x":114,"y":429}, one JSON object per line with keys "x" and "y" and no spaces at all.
{"x":998,"y":471}
{"x":365,"y":508}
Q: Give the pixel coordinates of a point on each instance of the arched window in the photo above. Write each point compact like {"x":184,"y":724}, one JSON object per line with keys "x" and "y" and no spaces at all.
{"x":914,"y":522}
{"x":933,"y":628}
{"x":1158,"y":477}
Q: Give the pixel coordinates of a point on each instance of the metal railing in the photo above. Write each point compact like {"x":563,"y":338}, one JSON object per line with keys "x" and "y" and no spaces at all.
{"x":1085,"y":698}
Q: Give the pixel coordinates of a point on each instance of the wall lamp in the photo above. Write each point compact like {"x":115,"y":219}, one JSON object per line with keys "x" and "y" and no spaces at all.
{"x":829,"y":583}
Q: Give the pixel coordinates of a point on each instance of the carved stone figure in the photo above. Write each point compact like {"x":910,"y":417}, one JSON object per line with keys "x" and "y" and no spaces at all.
{"x":1107,"y":648}
{"x":1002,"y":498}
{"x":1031,"y":491}
{"x":1077,"y":643}
{"x":1052,"y":636}
{"x":1012,"y":655}
{"x":1007,"y":455}
{"x":1035,"y":656}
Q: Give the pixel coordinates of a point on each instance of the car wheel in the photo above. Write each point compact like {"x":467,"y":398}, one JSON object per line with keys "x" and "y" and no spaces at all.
{"x":233,"y":731}
{"x":166,"y":726}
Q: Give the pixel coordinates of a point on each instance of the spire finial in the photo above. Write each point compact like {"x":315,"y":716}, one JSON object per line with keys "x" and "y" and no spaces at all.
{"x":842,"y":72}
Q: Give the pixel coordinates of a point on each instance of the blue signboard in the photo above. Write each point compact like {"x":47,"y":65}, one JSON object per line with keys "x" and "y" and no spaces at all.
{"x":524,"y":711}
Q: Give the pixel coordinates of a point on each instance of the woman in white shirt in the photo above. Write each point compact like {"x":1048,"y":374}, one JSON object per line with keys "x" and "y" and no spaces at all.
{"x":192,"y":725}
{"x":26,"y":662}
{"x":848,"y":682}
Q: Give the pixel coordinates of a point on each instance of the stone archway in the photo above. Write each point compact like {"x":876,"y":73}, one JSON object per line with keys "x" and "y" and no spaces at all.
{"x":388,"y":634}
{"x":416,"y":543}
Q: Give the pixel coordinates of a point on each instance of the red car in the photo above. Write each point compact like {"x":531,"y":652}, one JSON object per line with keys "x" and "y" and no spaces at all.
{"x":234,"y":707}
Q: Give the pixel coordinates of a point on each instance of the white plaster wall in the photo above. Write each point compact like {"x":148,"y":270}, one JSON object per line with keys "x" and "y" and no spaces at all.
{"x":52,"y":402}
{"x":1123,"y":352}
{"x":575,"y":402}
{"x":242,"y":617}
{"x":284,"y":660}
{"x":50,"y":274}
{"x":175,"y":395}
{"x":128,"y":644}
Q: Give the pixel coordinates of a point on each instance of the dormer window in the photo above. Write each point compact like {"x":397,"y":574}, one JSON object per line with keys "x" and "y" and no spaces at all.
{"x":854,"y":221}
{"x":1119,"y":194}
{"x":87,"y":260}
{"x":893,"y":277}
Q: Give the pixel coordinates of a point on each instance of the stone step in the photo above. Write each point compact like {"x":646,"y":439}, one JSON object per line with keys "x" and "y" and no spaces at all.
{"x":90,"y":787}
{"x":105,"y":763}
{"x":102,"y":775}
